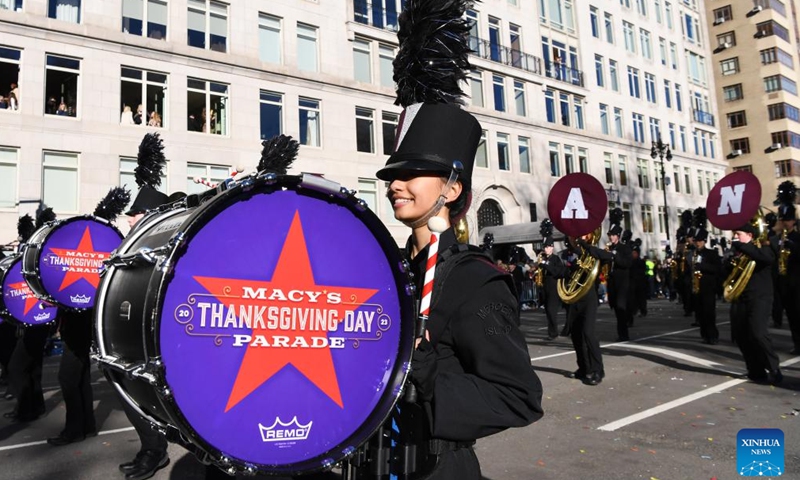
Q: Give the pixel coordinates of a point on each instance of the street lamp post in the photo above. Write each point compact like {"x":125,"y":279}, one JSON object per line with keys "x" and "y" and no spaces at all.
{"x":661,"y":150}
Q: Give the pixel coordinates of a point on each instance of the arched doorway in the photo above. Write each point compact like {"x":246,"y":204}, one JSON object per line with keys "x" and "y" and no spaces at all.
{"x":489,"y":214}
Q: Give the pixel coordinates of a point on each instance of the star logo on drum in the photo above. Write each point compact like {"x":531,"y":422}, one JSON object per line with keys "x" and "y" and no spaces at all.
{"x":83,"y":262}
{"x":30,"y":298}
{"x":293,"y":273}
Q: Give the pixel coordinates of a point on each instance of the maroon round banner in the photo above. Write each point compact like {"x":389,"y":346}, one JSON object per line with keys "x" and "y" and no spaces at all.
{"x":734,"y":200}
{"x":577,"y":204}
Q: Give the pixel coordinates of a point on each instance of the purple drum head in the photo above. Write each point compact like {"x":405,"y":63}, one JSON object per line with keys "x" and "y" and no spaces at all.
{"x":20,"y":301}
{"x":72,"y":257}
{"x":281,"y":329}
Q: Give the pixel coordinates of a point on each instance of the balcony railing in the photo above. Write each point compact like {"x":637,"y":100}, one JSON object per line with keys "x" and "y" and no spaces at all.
{"x":506,"y":56}
{"x":375,"y":15}
{"x":560,"y":71}
{"x":703,"y":117}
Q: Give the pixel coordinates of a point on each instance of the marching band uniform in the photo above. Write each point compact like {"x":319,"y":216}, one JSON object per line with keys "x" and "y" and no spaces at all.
{"x":582,"y":316}
{"x":8,"y":340}
{"x":688,"y":261}
{"x":554,"y":269}
{"x":789,"y":285}
{"x":750,"y":313}
{"x":637,"y":289}
{"x":619,"y":258}
{"x":707,"y":261}
{"x":74,"y":377}
{"x":25,"y":372}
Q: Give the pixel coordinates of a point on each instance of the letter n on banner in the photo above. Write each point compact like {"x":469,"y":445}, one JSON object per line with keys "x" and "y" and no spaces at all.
{"x":731,"y":199}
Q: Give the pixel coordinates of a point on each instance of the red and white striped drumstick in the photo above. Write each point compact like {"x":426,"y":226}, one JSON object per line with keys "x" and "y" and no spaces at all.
{"x":436,"y":225}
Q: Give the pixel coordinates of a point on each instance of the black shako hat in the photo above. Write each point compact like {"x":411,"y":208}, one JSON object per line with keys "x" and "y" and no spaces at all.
{"x":430,"y":138}
{"x":749,"y":228}
{"x":150,"y":165}
{"x":148,"y":198}
{"x":787,"y":194}
{"x":548,"y":242}
{"x":701,"y":234}
{"x":615,"y":218}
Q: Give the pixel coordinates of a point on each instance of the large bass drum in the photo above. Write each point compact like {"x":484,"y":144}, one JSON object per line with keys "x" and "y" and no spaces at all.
{"x":63,"y":259}
{"x":268,"y":330}
{"x":18,"y":303}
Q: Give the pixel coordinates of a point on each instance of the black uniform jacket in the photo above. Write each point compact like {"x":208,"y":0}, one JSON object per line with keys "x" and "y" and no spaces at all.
{"x":710,"y":266}
{"x":620,"y":258}
{"x":760,"y":283}
{"x":793,"y":262}
{"x":554,"y":269}
{"x":485,"y":382}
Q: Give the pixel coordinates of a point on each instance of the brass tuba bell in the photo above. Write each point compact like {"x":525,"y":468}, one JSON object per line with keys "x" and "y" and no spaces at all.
{"x":582,"y":279}
{"x":743,"y":266}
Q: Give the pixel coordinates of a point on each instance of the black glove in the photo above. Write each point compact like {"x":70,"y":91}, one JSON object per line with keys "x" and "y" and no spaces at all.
{"x":583,"y":244}
{"x":424,"y":370}
{"x":736,"y":246}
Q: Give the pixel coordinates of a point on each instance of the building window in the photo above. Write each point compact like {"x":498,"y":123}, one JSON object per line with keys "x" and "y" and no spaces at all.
{"x":662,"y":222}
{"x":638,"y":127}
{"x":672,"y":141}
{"x":766,"y":29}
{"x":742,"y":144}
{"x":633,"y":82}
{"x":775,"y":83}
{"x":362,"y":60}
{"x":618,"y":131}
{"x":687,"y":179}
{"x":524,"y":154}
{"x":389,"y":127}
{"x":641,"y":7}
{"x":306,"y":47}
{"x":609,"y":27}
{"x":667,"y":94}
{"x":683,"y":138}
{"x":787,"y":168}
{"x":608,"y":160}
{"x":214,"y":174}
{"x":643,"y":172}
{"x":743,"y":168}
{"x":604,"y":123}
{"x":630,"y":42}
{"x":14,"y":5}
{"x":776,"y":5}
{"x":499,"y":89}
{"x":8,"y":177}
{"x":60,"y":181}
{"x":269,"y":38}
{"x":519,"y":97}
{"x":559,"y":14}
{"x":482,"y":153}
{"x":578,"y":106}
{"x":386,"y":56}
{"x":737,"y":119}
{"x":569,"y":159}
{"x":138,"y":13}
{"x":583,"y":160}
{"x":622,"y":162}
{"x":476,"y":88}
{"x":732,"y":92}
{"x":207,"y":24}
{"x":647,"y":219}
{"x":127,"y":175}
{"x":644,"y":41}
{"x":61,"y":85}
{"x":727,"y":39}
{"x":676,"y":174}
{"x":9,"y":72}
{"x":722,"y":14}
{"x":662,"y":50}
{"x":655,"y":129}
{"x":365,"y":137}
{"x":786,"y":139}
{"x":207,"y":106}
{"x":594,"y":22}
{"x":668,"y":14}
{"x":699,"y":182}
{"x":783,"y":110}
{"x":612,"y":75}
{"x":143,"y":98}
{"x":503,"y":160}
{"x":673,"y":55}
{"x":368,"y":192}
{"x":775,"y":54}
{"x":598,"y":70}
{"x":310,"y":121}
{"x":271,"y":111}
{"x":65,"y":10}
{"x":729,"y":66}
{"x":555,"y":162}
{"x":650,"y":87}
{"x":678,"y":99}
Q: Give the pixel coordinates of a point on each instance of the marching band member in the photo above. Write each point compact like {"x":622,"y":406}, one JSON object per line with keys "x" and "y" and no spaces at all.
{"x":472,"y":369}
{"x":789,"y":260}
{"x":582,"y":317}
{"x":552,"y":269}
{"x":707,"y":264}
{"x":619,"y":259}
{"x":750,"y":313}
{"x":688,"y":259}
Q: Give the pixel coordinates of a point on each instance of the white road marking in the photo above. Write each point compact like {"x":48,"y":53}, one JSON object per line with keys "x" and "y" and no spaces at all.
{"x":610,"y":427}
{"x":44,"y":442}
{"x":682,"y":356}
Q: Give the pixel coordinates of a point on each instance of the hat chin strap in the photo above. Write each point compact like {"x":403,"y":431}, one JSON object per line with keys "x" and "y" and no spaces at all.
{"x":439,"y":201}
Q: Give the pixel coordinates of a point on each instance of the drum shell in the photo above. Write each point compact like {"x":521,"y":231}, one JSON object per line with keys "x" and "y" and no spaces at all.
{"x":11,"y":270}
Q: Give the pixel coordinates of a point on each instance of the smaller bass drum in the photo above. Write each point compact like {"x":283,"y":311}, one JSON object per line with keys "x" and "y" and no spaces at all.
{"x":18,"y":303}
{"x":63,"y":259}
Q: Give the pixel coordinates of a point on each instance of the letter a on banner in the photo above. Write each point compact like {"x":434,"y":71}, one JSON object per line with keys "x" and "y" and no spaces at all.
{"x":731,"y":199}
{"x":574,"y":208}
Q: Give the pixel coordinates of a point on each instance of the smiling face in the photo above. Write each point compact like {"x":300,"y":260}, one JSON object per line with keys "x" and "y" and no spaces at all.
{"x":412,"y":197}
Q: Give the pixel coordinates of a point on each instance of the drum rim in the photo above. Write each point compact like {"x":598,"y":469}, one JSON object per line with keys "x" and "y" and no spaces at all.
{"x":37,"y":250}
{"x":161,"y":278}
{"x":17,"y":257}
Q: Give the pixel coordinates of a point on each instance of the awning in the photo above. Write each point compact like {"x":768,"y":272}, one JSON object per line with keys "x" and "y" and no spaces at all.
{"x":519,"y":233}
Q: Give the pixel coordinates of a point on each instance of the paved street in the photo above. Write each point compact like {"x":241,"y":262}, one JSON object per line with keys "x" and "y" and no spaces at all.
{"x":669,"y":408}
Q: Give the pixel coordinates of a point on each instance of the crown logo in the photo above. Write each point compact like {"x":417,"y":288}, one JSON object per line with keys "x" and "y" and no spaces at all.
{"x":39,"y":317}
{"x":82,"y":299}
{"x":285,"y":432}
